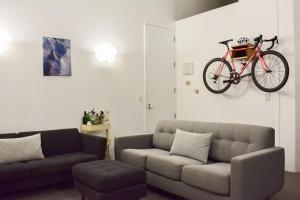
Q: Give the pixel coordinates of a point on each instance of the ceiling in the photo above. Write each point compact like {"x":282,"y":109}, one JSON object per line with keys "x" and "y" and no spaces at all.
{"x":188,"y":8}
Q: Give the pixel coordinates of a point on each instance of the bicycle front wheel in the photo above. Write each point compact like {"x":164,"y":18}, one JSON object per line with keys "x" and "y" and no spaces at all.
{"x":270,"y":73}
{"x":216,"y":75}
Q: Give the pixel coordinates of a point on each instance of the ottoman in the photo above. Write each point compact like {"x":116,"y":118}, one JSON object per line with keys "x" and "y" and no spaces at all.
{"x":109,"y":180}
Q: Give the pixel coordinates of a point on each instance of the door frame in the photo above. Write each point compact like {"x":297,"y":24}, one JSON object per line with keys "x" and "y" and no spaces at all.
{"x":145,"y":70}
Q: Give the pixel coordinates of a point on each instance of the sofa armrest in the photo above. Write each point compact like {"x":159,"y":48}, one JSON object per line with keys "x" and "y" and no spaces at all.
{"x":257,"y":175}
{"x":92,"y":144}
{"x":132,"y":142}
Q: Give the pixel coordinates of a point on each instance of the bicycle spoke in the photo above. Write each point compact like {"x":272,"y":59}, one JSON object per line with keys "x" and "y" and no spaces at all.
{"x":278,"y":77}
{"x":264,"y":80}
{"x":279,"y":67}
{"x":271,"y":62}
{"x":276,"y":62}
{"x":275,"y":67}
{"x":260,"y":79}
{"x":271,"y":81}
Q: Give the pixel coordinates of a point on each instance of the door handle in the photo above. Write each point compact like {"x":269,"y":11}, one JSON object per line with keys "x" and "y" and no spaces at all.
{"x":149,"y":107}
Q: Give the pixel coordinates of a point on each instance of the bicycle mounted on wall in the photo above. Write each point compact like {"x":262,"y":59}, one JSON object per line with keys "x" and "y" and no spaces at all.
{"x":269,"y":72}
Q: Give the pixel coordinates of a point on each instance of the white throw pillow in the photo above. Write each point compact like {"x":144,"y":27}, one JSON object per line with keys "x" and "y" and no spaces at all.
{"x":21,"y":149}
{"x":191,"y":145}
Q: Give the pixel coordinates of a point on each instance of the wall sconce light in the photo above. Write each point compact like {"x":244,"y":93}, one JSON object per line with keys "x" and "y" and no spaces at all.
{"x":5,"y":39}
{"x":106,"y":53}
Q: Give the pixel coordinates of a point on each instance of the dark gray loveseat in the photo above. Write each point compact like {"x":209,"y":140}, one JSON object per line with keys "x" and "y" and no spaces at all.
{"x":62,"y":149}
{"x":243,"y":162}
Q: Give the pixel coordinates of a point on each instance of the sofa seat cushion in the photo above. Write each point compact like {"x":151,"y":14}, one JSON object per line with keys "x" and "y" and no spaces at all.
{"x":13,"y":172}
{"x":59,"y":163}
{"x":169,"y":166}
{"x":212,"y":177}
{"x":138,"y":157}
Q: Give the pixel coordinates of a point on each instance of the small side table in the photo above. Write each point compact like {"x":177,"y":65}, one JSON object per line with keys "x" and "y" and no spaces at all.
{"x":94,"y":129}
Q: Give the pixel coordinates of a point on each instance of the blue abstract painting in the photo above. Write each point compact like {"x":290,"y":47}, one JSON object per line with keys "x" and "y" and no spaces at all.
{"x":57,"y":57}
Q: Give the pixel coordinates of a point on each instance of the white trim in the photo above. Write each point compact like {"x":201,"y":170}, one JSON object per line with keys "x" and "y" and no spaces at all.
{"x":159,"y":26}
{"x":145,"y":75}
{"x":145,"y":81}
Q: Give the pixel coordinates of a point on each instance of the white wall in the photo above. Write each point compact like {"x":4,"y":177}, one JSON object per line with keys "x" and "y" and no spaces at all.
{"x":30,"y":101}
{"x":197,"y":41}
{"x":297,"y":71}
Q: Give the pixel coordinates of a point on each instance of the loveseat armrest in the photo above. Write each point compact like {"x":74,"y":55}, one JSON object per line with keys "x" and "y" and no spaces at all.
{"x":257,"y":175}
{"x":93,"y":144}
{"x":132,"y":142}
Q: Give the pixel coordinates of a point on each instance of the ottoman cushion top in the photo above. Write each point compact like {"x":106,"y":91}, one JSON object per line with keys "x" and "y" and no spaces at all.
{"x":108,"y":175}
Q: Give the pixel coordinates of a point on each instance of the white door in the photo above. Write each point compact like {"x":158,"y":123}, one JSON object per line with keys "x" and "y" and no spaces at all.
{"x":160,"y":75}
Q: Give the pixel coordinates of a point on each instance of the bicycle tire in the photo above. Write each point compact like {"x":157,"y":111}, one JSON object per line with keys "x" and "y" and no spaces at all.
{"x":285,"y":77}
{"x":226,"y":63}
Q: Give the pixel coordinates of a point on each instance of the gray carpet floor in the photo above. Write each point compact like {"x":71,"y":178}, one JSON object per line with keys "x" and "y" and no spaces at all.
{"x":291,"y":191}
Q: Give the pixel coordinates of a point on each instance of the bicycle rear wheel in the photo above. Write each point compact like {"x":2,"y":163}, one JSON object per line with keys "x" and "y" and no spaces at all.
{"x":274,"y":75}
{"x":216,"y":75}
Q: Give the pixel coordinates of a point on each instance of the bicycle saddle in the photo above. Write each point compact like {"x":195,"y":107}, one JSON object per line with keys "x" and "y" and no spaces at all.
{"x":226,"y":42}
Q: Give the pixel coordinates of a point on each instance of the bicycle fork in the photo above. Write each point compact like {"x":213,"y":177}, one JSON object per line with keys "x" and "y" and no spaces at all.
{"x":263,"y":63}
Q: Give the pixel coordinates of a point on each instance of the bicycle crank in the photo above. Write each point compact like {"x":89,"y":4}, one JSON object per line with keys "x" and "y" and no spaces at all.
{"x":236,"y":78}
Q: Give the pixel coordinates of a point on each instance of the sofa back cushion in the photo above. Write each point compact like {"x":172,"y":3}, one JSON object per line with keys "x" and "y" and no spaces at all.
{"x":8,"y":135}
{"x":163,"y":140}
{"x":56,"y":142}
{"x":229,"y":140}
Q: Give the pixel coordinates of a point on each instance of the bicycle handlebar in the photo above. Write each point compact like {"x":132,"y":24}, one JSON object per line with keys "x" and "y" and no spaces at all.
{"x":273,"y":40}
{"x":259,"y":40}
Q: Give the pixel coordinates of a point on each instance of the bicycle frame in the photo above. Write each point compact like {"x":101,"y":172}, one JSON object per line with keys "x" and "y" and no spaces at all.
{"x":229,"y":54}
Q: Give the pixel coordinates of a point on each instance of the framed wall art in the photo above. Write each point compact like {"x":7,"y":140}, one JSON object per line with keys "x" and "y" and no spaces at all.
{"x":56,"y":57}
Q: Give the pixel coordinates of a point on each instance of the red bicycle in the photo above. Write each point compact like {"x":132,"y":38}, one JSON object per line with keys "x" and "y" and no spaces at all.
{"x":269,"y":72}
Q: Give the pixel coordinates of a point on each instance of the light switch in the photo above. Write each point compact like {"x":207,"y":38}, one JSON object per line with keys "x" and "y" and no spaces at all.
{"x":140,"y":97}
{"x":188,"y":69}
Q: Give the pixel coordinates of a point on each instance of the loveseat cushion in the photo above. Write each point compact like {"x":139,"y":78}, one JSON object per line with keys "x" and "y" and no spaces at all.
{"x":138,"y":157}
{"x":13,"y":171}
{"x":212,"y":177}
{"x":169,"y":166}
{"x":59,"y":163}
{"x":55,"y":142}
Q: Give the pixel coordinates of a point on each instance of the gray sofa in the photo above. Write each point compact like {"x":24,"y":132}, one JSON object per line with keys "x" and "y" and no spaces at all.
{"x":62,"y":150}
{"x":243,"y":162}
